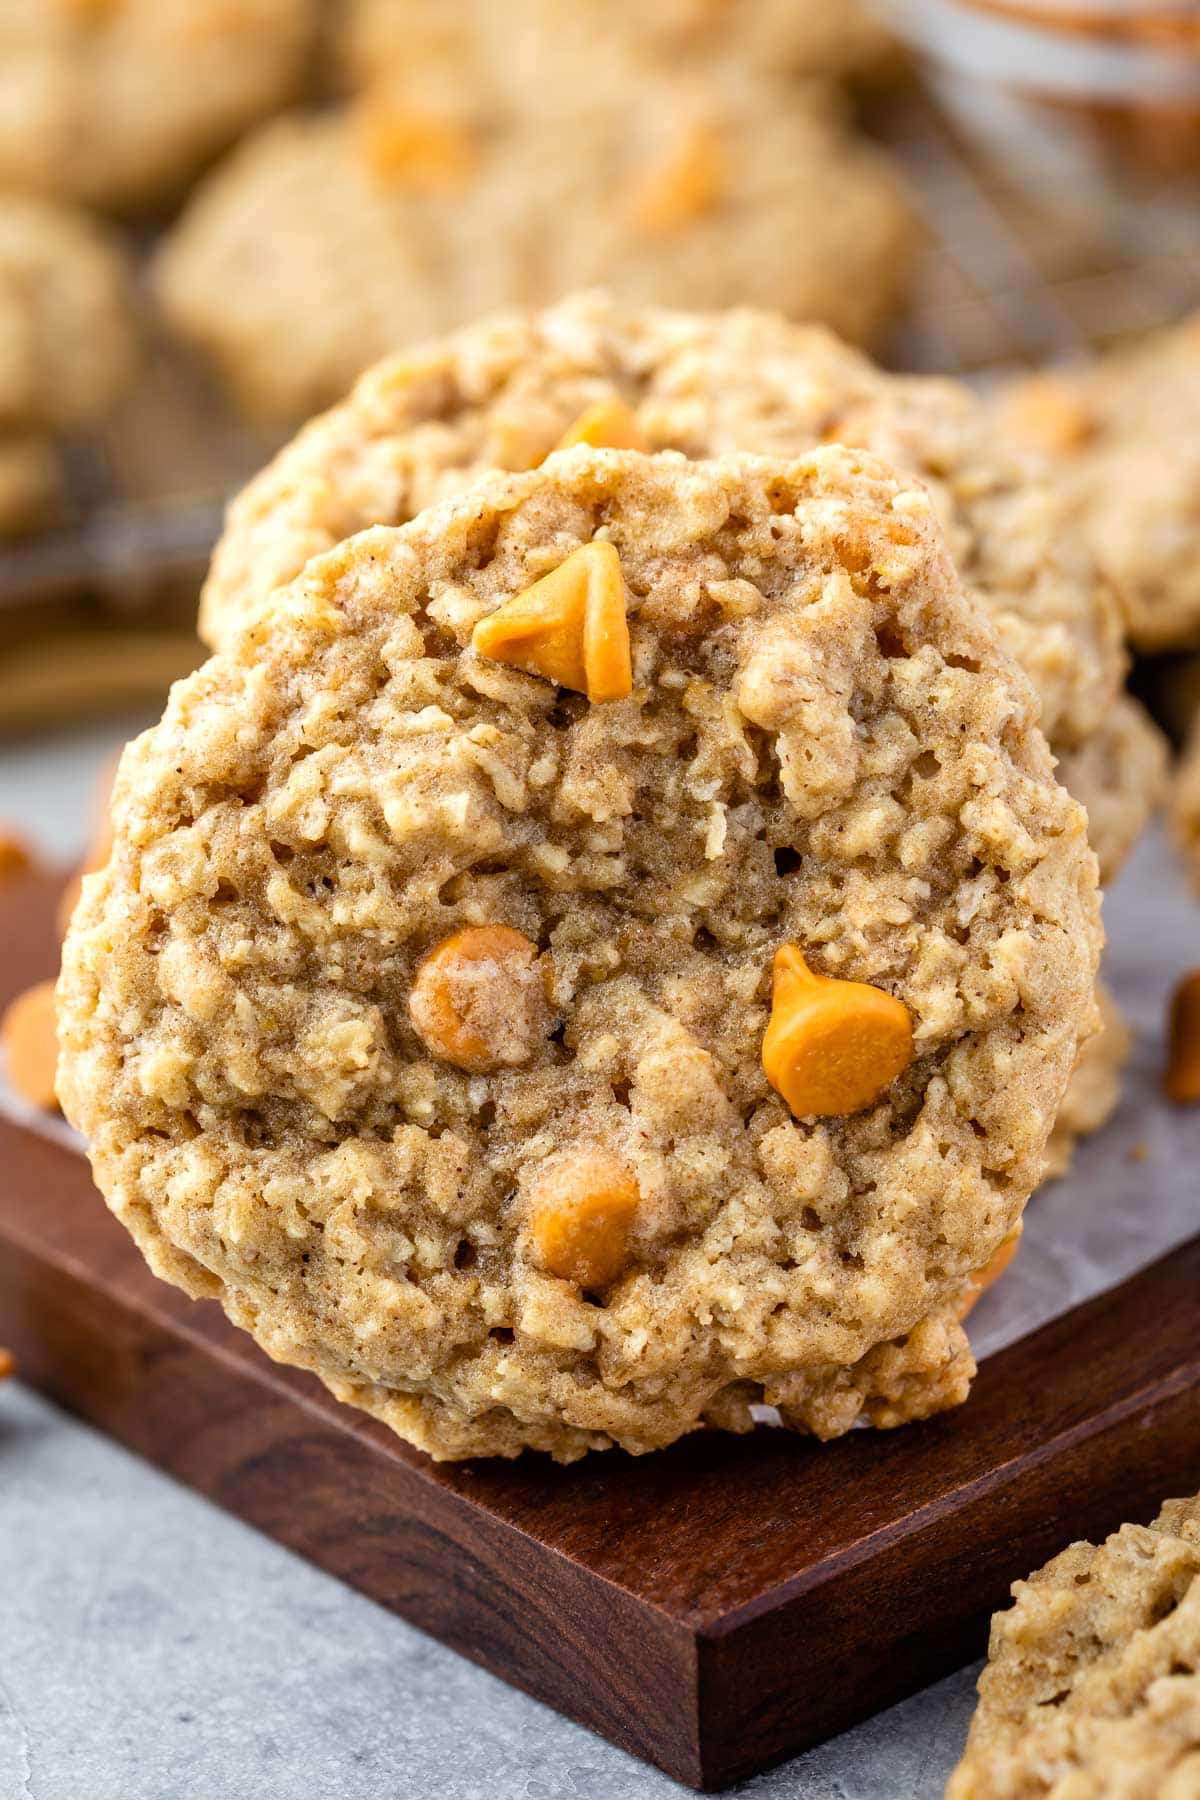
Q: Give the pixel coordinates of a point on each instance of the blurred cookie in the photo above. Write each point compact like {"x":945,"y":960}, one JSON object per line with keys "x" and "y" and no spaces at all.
{"x":494,"y":58}
{"x":1124,"y":439}
{"x":66,"y":334}
{"x":503,"y":393}
{"x":119,"y":103}
{"x":1092,"y":1686}
{"x":387,"y":223}
{"x":596,"y":958}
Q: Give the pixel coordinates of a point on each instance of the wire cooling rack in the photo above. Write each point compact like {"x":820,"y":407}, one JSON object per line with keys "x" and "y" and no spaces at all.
{"x":1005,"y":280}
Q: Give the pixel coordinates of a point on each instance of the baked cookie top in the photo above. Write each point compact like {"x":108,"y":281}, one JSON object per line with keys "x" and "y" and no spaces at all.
{"x":66,"y":333}
{"x":118,"y":103}
{"x":491,"y":59}
{"x":389,"y":222}
{"x":1092,"y":1686}
{"x":1121,"y":436}
{"x":438,"y":1018}
{"x":503,"y":393}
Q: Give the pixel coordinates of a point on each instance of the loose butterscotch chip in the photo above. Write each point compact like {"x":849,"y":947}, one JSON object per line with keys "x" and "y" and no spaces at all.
{"x":30,"y":1041}
{"x":570,"y":626}
{"x":7,"y":1365}
{"x":16,"y":858}
{"x":1182,"y":1081}
{"x":609,"y":425}
{"x":582,"y":1210}
{"x":832,"y":1047}
{"x":479,"y":1000}
{"x":401,"y":143}
{"x":986,"y":1276}
{"x":691,"y":181}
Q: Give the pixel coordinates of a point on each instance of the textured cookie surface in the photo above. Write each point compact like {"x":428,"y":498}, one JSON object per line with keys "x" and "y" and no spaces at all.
{"x":66,"y":338}
{"x":117,"y":103}
{"x":1123,"y":437}
{"x":502,"y":395}
{"x":1092,"y":1688}
{"x":388,"y":223}
{"x":823,"y":747}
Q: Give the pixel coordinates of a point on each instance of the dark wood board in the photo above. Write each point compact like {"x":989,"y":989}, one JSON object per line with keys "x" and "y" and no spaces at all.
{"x":710,"y":1609}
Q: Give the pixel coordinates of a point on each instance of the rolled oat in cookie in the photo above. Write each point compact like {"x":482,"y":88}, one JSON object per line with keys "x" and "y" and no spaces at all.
{"x":505,"y":393}
{"x":1092,"y":1687}
{"x":601,"y":956}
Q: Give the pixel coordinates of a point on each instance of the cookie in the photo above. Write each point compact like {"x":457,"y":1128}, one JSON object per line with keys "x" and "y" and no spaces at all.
{"x":1095,"y":1086}
{"x":119,"y":103}
{"x":475,"y":1039}
{"x":1092,"y":1686}
{"x":504,"y":393}
{"x":388,"y":224}
{"x":1122,"y":438}
{"x":492,"y":59}
{"x":66,"y":333}
{"x":1185,"y":804}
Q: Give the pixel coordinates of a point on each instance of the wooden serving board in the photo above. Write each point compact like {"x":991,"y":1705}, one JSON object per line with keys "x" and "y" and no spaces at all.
{"x":712,"y":1608}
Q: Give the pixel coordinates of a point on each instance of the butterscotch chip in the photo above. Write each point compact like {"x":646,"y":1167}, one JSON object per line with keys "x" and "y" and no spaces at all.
{"x":1182,"y":1081}
{"x":7,"y":1365}
{"x":982,"y":1279}
{"x":690,"y":181}
{"x":1092,"y":1686}
{"x":16,"y":857}
{"x":30,"y":1043}
{"x":616,"y":1229}
{"x":400,"y":143}
{"x":426,"y":424}
{"x":581,"y":1211}
{"x":478,"y":1000}
{"x":832,"y":1046}
{"x":119,"y":103}
{"x":1185,"y":804}
{"x":570,"y":627}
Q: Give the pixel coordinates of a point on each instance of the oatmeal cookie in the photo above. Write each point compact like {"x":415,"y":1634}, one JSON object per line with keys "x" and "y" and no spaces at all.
{"x":119,"y":103}
{"x":502,"y":394}
{"x":1122,"y":437}
{"x":1092,"y":1688}
{"x":491,"y":59}
{"x":602,"y":954}
{"x":387,"y":224}
{"x":1095,"y":1087}
{"x":66,"y":335}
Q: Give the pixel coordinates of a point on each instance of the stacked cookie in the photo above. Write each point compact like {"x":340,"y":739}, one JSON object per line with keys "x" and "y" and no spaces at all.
{"x":601,"y":948}
{"x":1120,"y":439}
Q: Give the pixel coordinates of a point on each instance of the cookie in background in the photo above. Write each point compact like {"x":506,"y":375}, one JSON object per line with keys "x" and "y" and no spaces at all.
{"x":119,"y":104}
{"x":390,"y":221}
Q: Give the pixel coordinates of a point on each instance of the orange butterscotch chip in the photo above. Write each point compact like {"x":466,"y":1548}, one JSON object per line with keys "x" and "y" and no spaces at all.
{"x":690,"y":182}
{"x":571,"y":626}
{"x":609,"y":425}
{"x":1048,"y":414}
{"x":7,"y":1365}
{"x":16,"y":858}
{"x":1182,"y":1079}
{"x":30,"y":1040}
{"x":983,"y":1278}
{"x":581,"y":1212}
{"x":404,"y":144}
{"x":479,"y":1001}
{"x":831,"y":1047}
